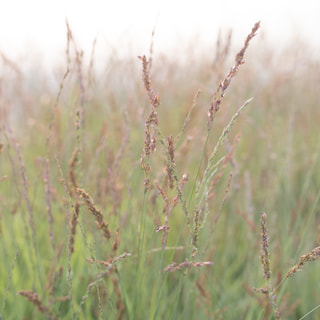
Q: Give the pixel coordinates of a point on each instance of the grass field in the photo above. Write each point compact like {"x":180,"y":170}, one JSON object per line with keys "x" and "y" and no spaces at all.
{"x":161,"y":189}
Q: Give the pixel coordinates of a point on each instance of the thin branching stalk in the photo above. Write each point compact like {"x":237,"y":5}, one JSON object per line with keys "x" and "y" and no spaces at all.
{"x":220,"y":92}
{"x":69,"y":274}
{"x":48,"y":202}
{"x":211,"y":169}
{"x":9,"y":283}
{"x":265,"y":261}
{"x":101,"y":276}
{"x":33,"y":297}
{"x":25,"y":194}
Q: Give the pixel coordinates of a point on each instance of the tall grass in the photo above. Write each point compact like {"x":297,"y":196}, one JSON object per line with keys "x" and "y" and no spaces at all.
{"x":156,"y":190}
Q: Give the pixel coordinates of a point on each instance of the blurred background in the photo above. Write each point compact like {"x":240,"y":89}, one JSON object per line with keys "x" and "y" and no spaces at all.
{"x":35,"y":30}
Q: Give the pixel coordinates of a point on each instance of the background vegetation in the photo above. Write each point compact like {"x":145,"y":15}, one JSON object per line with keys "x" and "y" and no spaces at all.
{"x":157,"y":189}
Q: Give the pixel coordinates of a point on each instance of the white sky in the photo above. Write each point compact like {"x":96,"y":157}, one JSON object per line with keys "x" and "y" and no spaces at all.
{"x":39,"y":25}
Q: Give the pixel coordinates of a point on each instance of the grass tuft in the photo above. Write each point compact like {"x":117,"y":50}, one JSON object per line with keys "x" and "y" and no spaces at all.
{"x":176,"y":189}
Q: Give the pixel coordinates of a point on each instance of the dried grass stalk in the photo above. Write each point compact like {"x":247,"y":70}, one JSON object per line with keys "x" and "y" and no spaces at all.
{"x":34,"y":298}
{"x":311,"y":256}
{"x":89,"y":203}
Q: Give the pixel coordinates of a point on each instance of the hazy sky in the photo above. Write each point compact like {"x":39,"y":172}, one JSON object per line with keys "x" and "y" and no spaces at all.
{"x":39,"y":25}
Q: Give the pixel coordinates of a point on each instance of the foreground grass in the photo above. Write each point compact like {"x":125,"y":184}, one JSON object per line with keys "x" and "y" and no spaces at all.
{"x":172,"y":197}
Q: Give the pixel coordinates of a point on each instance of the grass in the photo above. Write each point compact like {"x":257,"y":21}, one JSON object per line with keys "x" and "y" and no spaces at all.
{"x":190,"y":192}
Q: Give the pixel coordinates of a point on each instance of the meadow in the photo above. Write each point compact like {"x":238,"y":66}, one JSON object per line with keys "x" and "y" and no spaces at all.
{"x":160,"y":187}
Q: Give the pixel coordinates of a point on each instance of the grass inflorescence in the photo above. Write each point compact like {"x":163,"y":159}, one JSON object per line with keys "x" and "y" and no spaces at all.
{"x":156,"y":190}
